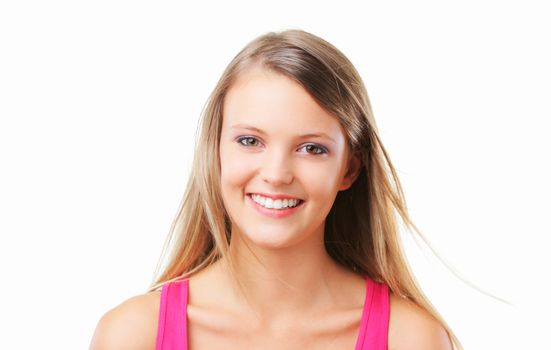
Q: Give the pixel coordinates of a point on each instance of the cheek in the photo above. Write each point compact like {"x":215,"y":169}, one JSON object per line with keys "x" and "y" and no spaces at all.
{"x":235,"y":170}
{"x":321,"y":182}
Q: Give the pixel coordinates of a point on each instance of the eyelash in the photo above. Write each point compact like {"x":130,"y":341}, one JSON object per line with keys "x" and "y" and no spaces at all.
{"x":322,"y":150}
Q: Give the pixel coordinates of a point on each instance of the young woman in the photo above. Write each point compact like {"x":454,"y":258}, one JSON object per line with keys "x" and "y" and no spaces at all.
{"x":287,"y":236}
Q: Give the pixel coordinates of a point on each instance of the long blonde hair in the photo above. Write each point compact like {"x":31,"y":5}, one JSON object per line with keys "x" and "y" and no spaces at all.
{"x":362,"y":227}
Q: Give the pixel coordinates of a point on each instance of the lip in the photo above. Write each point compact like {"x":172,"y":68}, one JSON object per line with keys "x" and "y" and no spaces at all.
{"x":274,"y":213}
{"x":274,"y":196}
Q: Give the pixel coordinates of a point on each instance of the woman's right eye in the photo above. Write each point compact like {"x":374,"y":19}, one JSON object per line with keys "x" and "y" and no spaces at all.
{"x":248,"y":141}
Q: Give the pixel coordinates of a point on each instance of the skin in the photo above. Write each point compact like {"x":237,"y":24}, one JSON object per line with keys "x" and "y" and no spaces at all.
{"x":294,"y":295}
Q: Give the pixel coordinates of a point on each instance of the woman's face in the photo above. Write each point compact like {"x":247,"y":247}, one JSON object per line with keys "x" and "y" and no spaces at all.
{"x":283,"y":159}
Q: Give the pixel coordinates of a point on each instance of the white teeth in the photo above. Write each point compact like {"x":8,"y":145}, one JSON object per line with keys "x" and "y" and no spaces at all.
{"x":274,"y":204}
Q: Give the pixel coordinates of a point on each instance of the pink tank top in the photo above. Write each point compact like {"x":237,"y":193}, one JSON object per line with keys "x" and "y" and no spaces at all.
{"x":172,"y":329}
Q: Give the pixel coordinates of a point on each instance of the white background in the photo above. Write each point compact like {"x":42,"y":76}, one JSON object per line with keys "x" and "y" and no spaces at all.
{"x":99,"y":102}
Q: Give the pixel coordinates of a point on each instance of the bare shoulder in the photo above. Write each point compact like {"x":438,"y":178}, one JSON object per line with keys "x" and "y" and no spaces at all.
{"x":130,"y":325}
{"x":412,"y":328}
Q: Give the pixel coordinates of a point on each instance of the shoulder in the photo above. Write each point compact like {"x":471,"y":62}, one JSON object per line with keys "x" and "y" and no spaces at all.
{"x":130,"y":325}
{"x":412,"y":328}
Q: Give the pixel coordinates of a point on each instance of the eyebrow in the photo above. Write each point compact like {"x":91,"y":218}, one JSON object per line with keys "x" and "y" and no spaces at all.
{"x":260,"y":131}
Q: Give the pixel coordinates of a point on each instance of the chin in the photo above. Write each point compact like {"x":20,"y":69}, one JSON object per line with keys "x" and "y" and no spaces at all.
{"x":272,"y":237}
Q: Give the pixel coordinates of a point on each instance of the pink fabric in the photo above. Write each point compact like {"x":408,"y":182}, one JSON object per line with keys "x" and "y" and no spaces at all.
{"x":172,"y":329}
{"x":374,"y":327}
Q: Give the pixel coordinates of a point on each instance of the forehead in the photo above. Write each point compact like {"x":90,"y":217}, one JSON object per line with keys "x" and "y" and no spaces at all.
{"x":274,"y":102}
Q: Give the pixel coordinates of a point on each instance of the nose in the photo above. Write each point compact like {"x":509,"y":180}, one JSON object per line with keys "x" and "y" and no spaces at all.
{"x":277,"y":168}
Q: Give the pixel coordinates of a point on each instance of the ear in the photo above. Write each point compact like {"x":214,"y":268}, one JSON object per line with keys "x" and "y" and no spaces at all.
{"x":354,"y":169}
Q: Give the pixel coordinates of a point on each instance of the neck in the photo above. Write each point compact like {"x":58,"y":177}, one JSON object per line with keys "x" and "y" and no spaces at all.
{"x":284,"y":281}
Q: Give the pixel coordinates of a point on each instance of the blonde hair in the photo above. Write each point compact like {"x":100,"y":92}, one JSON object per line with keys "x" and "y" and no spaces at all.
{"x":362,"y":227}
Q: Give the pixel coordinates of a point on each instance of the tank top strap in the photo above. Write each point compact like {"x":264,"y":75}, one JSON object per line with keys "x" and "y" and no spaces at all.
{"x":172,"y":327}
{"x":373,"y":333}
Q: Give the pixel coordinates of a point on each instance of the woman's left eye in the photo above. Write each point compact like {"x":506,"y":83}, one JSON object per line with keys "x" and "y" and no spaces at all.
{"x":313,"y":149}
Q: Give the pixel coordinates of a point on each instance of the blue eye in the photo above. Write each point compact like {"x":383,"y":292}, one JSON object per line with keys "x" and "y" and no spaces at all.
{"x":315,"y":150}
{"x":248,"y":141}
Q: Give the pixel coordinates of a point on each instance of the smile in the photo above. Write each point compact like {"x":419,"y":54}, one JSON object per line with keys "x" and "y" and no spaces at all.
{"x":278,"y":204}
